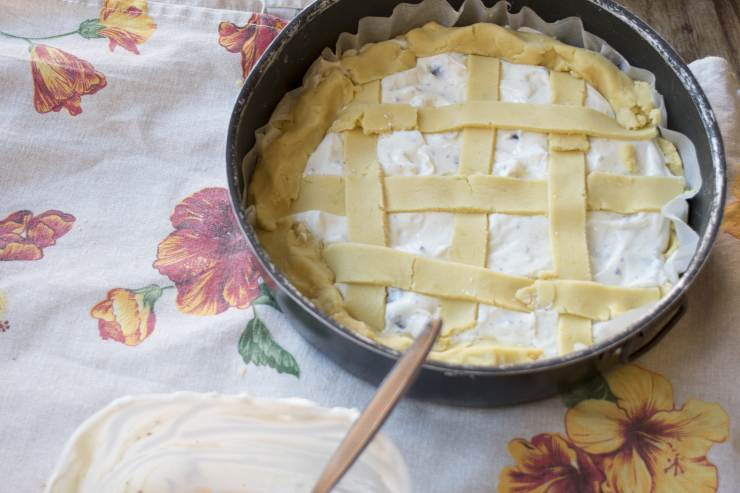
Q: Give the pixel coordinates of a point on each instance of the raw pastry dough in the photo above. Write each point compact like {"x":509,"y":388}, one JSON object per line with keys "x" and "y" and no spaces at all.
{"x":567,"y":208}
{"x":631,"y":100}
{"x":586,"y":299}
{"x":629,"y":194}
{"x":470,"y":235}
{"x":382,"y":266}
{"x":476,"y":193}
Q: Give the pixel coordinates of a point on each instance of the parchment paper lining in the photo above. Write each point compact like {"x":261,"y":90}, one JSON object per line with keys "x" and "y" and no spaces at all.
{"x":569,"y":30}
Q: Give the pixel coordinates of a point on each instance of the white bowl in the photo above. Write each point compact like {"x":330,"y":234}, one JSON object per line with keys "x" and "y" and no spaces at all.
{"x":211,"y":443}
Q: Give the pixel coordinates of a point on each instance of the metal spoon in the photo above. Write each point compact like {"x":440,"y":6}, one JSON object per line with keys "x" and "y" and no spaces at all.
{"x":395,"y":384}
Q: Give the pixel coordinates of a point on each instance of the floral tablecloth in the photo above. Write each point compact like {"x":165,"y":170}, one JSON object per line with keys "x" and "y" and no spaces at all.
{"x":122,"y":271}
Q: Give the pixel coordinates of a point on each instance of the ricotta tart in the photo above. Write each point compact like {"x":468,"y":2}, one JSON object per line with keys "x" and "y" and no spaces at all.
{"x":504,"y":180}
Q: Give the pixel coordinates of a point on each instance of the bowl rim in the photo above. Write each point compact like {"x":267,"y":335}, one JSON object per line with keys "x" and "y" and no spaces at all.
{"x":661,"y":309}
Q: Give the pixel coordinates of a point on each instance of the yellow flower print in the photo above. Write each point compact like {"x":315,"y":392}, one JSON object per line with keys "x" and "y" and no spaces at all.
{"x":731,"y":223}
{"x":126,"y":315}
{"x":125,"y":23}
{"x":645,"y":444}
{"x":4,"y":324}
{"x":60,"y":79}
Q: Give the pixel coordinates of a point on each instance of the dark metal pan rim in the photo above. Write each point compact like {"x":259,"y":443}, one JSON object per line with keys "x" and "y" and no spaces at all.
{"x":668,"y":302}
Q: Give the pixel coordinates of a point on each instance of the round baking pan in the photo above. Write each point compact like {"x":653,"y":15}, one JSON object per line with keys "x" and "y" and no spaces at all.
{"x":281,"y":69}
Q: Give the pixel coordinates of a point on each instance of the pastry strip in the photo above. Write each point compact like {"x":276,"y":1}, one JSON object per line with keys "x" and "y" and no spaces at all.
{"x":631,"y":100}
{"x":468,"y":282}
{"x":567,"y":210}
{"x":550,"y":118}
{"x":585,"y":298}
{"x":482,"y":353}
{"x":366,"y":221}
{"x":476,"y":152}
{"x":553,"y":118}
{"x":367,"y":264}
{"x":573,"y":333}
{"x":469,"y":245}
{"x":628,"y":193}
{"x":484,"y":74}
{"x":376,"y":118}
{"x":470,"y":231}
{"x":566,"y":89}
{"x":382,"y":266}
{"x":489,"y":354}
{"x":368,"y":93}
{"x":492,"y":194}
{"x":560,"y":142}
{"x":476,"y":193}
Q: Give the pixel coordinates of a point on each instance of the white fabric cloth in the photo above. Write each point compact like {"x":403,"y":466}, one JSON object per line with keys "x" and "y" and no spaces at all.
{"x":721,"y":87}
{"x":154,"y":136}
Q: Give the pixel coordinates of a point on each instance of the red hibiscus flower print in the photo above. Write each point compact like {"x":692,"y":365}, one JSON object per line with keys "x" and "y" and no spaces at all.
{"x":23,"y":236}
{"x":251,"y":39}
{"x":551,"y":464}
{"x":127,"y":315}
{"x":207,"y":257}
{"x":60,"y":79}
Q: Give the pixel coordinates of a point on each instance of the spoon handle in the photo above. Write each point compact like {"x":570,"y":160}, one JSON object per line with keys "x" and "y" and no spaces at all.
{"x":395,"y":384}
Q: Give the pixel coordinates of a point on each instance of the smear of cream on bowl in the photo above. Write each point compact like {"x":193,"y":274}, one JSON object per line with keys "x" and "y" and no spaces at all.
{"x":196,"y":443}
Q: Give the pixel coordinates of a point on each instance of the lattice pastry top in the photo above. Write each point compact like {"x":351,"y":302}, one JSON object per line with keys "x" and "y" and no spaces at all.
{"x":509,"y":181}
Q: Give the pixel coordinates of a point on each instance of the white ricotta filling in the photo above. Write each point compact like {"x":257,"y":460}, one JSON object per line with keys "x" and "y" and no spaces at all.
{"x":427,"y":234}
{"x":596,"y":101}
{"x":435,"y":81}
{"x":607,"y":156}
{"x":524,"y":84}
{"x":519,"y":245}
{"x":328,"y":158}
{"x":510,"y":328}
{"x":520,"y":154}
{"x":625,"y":250}
{"x":407,"y":312}
{"x":413,"y":153}
{"x":324,"y":226}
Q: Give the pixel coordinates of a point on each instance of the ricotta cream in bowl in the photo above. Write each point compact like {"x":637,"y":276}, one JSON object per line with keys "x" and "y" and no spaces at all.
{"x":211,"y":443}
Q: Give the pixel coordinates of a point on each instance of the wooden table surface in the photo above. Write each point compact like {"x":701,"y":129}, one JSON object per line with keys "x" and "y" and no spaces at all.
{"x":695,"y":28}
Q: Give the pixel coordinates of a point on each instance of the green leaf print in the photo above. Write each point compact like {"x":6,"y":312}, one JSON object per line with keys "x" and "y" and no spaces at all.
{"x":257,"y":346}
{"x":90,"y":29}
{"x":595,"y":387}
{"x":266,"y":298}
